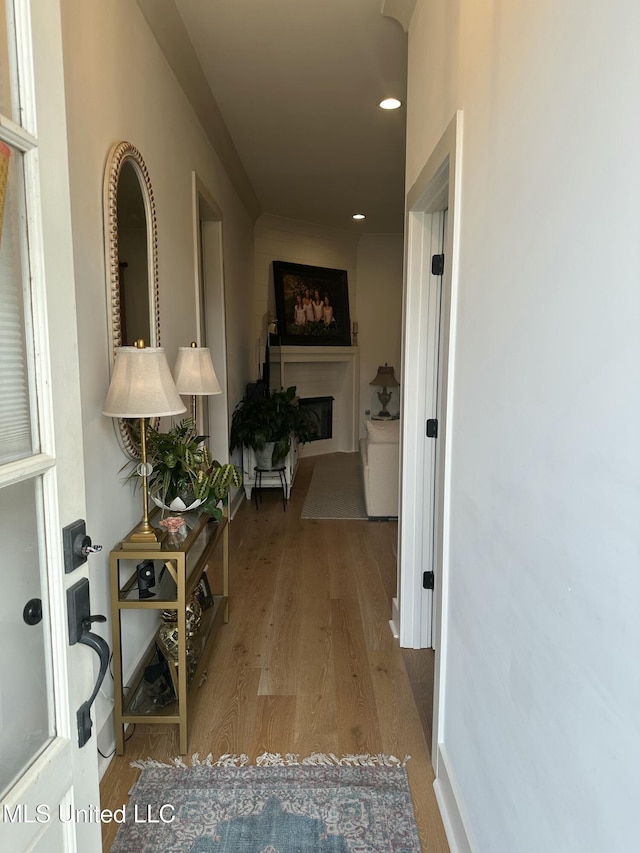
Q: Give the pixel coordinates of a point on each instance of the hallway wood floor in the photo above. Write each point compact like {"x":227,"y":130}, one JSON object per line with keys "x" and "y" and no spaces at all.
{"x":307,"y":662}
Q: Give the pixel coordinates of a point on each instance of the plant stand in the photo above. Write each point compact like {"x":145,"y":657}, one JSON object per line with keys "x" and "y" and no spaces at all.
{"x":259,"y":474}
{"x":270,"y":479}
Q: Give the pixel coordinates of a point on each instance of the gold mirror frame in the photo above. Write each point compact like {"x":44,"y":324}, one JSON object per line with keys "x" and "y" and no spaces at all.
{"x":120,"y":154}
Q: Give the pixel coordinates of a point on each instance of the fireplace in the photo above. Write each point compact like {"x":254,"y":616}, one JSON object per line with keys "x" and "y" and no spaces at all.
{"x":321,"y":409}
{"x":318,"y":372}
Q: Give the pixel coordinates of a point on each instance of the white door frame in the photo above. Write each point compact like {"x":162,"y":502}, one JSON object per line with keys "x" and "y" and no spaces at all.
{"x":64,"y":775}
{"x":210,"y":308}
{"x":424,"y":513}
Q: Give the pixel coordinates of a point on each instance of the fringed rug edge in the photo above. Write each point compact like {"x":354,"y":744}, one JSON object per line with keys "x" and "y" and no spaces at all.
{"x":276,"y":759}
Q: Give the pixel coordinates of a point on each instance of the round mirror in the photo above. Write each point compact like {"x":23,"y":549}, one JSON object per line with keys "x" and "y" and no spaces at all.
{"x":132,"y":262}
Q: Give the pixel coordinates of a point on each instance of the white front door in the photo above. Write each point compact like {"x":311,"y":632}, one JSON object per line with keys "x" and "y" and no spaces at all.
{"x":49,"y":797}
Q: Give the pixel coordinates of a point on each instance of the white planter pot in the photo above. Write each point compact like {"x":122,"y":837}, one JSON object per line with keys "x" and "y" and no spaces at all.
{"x":263,"y":457}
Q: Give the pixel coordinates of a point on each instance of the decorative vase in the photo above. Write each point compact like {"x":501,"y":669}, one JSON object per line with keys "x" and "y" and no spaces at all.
{"x":168,"y":633}
{"x":176,"y":529}
{"x":193,"y":617}
{"x":264,"y":456}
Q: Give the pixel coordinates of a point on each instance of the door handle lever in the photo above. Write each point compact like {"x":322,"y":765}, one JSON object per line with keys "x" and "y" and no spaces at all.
{"x":101,"y":648}
{"x":79,"y":621}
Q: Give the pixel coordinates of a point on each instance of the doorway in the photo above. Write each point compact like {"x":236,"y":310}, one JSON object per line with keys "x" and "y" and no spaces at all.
{"x":49,"y":759}
{"x":213,"y":418}
{"x":428,"y":365}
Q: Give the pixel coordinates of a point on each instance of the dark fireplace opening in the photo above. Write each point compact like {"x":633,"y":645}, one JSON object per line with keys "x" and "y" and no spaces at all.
{"x":321,"y":409}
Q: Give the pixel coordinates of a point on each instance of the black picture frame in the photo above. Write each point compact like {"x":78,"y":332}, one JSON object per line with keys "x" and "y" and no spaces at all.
{"x":202,"y":592}
{"x":332,"y":326}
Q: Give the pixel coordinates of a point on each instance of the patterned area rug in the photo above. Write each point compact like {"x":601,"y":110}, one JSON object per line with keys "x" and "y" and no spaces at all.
{"x":323,"y":804}
{"x":336,"y":487}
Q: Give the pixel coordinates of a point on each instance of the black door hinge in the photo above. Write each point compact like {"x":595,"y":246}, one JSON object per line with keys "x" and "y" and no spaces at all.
{"x":432,"y":428}
{"x":427,"y":580}
{"x":437,"y":264}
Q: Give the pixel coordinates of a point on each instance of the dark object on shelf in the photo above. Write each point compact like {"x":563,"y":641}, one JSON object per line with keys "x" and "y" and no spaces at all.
{"x":158,"y":686}
{"x":202,"y":593}
{"x":146,"y":578}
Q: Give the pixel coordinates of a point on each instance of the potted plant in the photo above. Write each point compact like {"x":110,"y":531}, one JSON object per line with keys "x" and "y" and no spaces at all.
{"x":270,"y":423}
{"x":184,"y":475}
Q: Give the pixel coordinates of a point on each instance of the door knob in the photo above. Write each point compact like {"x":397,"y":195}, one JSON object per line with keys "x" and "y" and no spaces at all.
{"x":32,"y":613}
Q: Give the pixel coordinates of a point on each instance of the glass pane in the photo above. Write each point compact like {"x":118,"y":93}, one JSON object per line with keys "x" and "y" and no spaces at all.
{"x":15,"y":409}
{"x":8,"y":97}
{"x":133,"y":262}
{"x":26,"y":723}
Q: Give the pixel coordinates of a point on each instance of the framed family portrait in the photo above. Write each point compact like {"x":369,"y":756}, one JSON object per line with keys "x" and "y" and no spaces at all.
{"x":312,"y":305}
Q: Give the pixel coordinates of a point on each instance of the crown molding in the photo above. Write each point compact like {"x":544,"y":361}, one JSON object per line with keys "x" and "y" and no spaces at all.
{"x":169,"y":31}
{"x":401,"y":10}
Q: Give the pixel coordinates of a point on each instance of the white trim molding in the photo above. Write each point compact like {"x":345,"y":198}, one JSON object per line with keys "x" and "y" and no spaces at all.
{"x":436,"y":189}
{"x":401,"y":10}
{"x":451,"y":807}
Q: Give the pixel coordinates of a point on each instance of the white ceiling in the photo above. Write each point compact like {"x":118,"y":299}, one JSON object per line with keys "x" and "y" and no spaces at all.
{"x":297,"y":84}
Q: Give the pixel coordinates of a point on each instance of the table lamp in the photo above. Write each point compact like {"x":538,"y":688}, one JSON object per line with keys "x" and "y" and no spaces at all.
{"x":385,"y":378}
{"x":194,"y":374}
{"x":142,"y":387}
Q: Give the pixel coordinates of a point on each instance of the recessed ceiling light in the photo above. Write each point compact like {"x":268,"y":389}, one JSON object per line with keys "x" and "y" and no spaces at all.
{"x":390,"y":104}
{"x":359,"y":216}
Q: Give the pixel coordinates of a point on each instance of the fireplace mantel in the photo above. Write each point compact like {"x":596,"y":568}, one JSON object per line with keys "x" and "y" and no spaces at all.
{"x":324,"y":370}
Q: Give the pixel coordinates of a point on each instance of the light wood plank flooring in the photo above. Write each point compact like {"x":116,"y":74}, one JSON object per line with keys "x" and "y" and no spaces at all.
{"x":307,"y":662}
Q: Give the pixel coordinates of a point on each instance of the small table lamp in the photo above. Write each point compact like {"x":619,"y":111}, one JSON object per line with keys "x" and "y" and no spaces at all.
{"x":142,"y":387}
{"x":194,"y":374}
{"x":385,"y":378}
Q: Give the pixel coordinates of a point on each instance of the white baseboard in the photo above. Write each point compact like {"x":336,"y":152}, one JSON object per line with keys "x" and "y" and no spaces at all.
{"x":236,"y":502}
{"x":451,"y":807}
{"x":105,"y":742}
{"x":394,"y":622}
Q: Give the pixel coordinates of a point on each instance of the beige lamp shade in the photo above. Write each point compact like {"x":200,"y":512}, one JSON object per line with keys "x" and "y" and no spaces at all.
{"x":141,"y":385}
{"x":385,"y":377}
{"x":194,"y":373}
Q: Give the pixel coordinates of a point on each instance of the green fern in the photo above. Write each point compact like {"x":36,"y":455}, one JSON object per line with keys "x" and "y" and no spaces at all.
{"x":183,"y":467}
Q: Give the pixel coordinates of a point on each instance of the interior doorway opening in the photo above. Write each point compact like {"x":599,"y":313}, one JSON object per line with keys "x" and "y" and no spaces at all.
{"x":211,"y":320}
{"x":433,"y":228}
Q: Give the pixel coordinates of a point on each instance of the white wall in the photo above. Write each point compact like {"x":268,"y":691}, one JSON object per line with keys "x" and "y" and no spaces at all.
{"x":379,"y":312}
{"x":542,"y":681}
{"x":374,"y":269}
{"x":119,"y":87}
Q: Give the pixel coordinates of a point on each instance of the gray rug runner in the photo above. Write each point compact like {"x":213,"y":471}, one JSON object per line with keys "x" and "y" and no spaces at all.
{"x":319,"y":804}
{"x":335,"y":490}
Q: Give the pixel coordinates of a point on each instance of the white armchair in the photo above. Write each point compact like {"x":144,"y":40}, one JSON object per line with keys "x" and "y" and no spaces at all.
{"x":380,"y":455}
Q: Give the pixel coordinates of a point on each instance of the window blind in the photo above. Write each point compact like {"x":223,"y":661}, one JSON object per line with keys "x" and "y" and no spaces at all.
{"x":15,"y":417}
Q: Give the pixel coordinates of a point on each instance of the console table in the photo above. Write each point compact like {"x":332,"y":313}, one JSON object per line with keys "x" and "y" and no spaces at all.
{"x":162,"y":684}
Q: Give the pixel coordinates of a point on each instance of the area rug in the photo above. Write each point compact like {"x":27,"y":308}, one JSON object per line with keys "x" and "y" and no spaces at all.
{"x":335,"y":490}
{"x":322,"y":804}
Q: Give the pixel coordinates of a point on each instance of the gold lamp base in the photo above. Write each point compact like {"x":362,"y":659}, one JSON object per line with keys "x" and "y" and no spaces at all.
{"x":144,"y":536}
{"x":142,"y":539}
